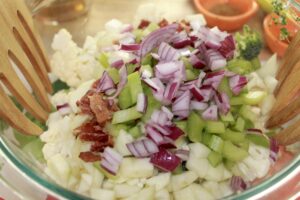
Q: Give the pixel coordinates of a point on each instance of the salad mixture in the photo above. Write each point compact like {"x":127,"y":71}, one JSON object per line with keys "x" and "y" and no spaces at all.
{"x":164,"y":110}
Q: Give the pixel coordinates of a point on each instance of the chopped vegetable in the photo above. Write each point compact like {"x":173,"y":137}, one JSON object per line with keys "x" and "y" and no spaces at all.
{"x":165,"y":160}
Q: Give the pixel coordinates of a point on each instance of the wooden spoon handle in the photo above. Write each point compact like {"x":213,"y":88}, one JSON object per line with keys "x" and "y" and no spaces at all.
{"x":289,"y":135}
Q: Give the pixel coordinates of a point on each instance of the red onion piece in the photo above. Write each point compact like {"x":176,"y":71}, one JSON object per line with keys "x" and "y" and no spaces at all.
{"x":132,"y":150}
{"x":196,"y":105}
{"x":167,"y":53}
{"x":105,"y":83}
{"x":237,"y":183}
{"x":211,"y":113}
{"x":167,"y":69}
{"x":167,"y":143}
{"x":122,"y":83}
{"x":182,"y":154}
{"x":158,"y":94}
{"x":111,"y":160}
{"x":155,"y":116}
{"x":175,"y":132}
{"x":215,"y":60}
{"x":182,"y":104}
{"x":274,"y":149}
{"x":155,"y":56}
{"x":200,"y":79}
{"x":196,"y":93}
{"x":197,"y":62}
{"x":171,"y":91}
{"x":161,"y":128}
{"x":154,"y":135}
{"x":156,"y":38}
{"x":130,"y":47}
{"x":151,"y":83}
{"x":214,"y":78}
{"x":227,"y":47}
{"x":165,"y":160}
{"x":142,"y":102}
{"x":237,"y":83}
{"x":168,"y":112}
{"x":207,"y":91}
{"x":223,"y":102}
{"x":117,"y":64}
{"x":64,"y":109}
{"x":181,"y":40}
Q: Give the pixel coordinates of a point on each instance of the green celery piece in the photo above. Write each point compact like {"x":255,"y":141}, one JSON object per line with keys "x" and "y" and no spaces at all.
{"x":233,"y":136}
{"x":270,"y":133}
{"x":135,"y":86}
{"x":153,"y":104}
{"x":135,"y":131}
{"x":138,"y":34}
{"x":147,"y":68}
{"x":214,"y":158}
{"x":123,"y":116}
{"x":103,"y":60}
{"x":147,"y":60}
{"x":59,"y":85}
{"x":195,"y":126}
{"x":182,"y":125}
{"x":125,"y":98}
{"x":240,"y":66}
{"x":34,"y":148}
{"x":240,"y":124}
{"x":114,"y":129}
{"x":152,"y":27}
{"x":254,"y":97}
{"x":244,"y":145}
{"x":187,"y":63}
{"x":227,"y":118}
{"x":248,"y":124}
{"x":258,"y":140}
{"x":104,"y":172}
{"x":114,"y":74}
{"x":237,"y":100}
{"x":224,"y":87}
{"x":215,"y":127}
{"x":216,"y":143}
{"x":131,"y":68}
{"x":206,"y":138}
{"x":233,"y":153}
{"x":190,"y":75}
{"x":256,"y":63}
{"x":229,"y":164}
{"x":178,"y":170}
{"x":24,"y":139}
{"x":246,"y":113}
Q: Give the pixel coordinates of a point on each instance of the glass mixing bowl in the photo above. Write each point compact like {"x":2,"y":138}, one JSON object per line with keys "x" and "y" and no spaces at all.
{"x":283,"y":183}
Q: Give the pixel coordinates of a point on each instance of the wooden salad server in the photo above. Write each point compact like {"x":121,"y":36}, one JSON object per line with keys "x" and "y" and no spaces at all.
{"x":21,"y":47}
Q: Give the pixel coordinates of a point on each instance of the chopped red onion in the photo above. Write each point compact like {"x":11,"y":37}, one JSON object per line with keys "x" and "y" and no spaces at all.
{"x":167,"y":143}
{"x":211,"y":113}
{"x":215,"y":60}
{"x":155,"y":116}
{"x":200,"y":79}
{"x":151,"y":83}
{"x":142,"y":148}
{"x":64,"y":109}
{"x":227,"y":47}
{"x":197,"y":62}
{"x":181,"y":40}
{"x":111,"y":160}
{"x":161,"y":128}
{"x":182,"y":104}
{"x":214,"y":78}
{"x":165,"y":160}
{"x":168,"y":112}
{"x":105,"y":83}
{"x":237,"y":183}
{"x":196,"y":105}
{"x":117,"y":64}
{"x":196,"y":93}
{"x":274,"y":149}
{"x":167,"y":53}
{"x":170,"y":91}
{"x":207,"y":91}
{"x":155,"y":56}
{"x":156,"y":38}
{"x":182,"y":154}
{"x":167,"y":69}
{"x":154,"y":135}
{"x":111,"y":91}
{"x":223,"y":102}
{"x":174,"y":131}
{"x":237,"y":83}
{"x":158,"y":94}
{"x":122,"y":83}
{"x":130,"y":47}
{"x":142,"y":103}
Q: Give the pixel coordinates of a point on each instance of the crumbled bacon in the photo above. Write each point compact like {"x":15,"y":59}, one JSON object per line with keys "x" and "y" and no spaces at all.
{"x":163,"y":23}
{"x":100,"y":146}
{"x":84,"y":103}
{"x":144,"y":24}
{"x":100,"y":108}
{"x":88,"y":127}
{"x":89,"y":156}
{"x":91,"y":137}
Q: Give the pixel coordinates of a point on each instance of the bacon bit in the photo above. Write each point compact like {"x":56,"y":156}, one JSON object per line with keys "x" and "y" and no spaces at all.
{"x":100,"y":108}
{"x":91,"y":137}
{"x":100,"y":146}
{"x":88,"y":127}
{"x":144,"y":24}
{"x":89,"y":156}
{"x":84,"y":103}
{"x":163,"y":23}
{"x":184,"y":25}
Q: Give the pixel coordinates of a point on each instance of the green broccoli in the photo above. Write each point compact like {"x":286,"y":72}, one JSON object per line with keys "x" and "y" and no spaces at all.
{"x":249,"y":43}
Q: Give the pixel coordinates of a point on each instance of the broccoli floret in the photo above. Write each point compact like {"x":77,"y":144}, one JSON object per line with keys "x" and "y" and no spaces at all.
{"x":249,"y":43}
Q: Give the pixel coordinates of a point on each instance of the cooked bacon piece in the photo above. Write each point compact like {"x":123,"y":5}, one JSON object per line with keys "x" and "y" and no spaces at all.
{"x":89,"y":156}
{"x":100,"y":146}
{"x":100,"y":108}
{"x":144,"y":24}
{"x":163,"y":23}
{"x":91,"y":137}
{"x":84,"y":103}
{"x":89,"y":127}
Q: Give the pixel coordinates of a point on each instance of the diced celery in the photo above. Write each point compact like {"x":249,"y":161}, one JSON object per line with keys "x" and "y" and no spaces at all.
{"x":135,"y":86}
{"x":240,"y":124}
{"x":229,"y":164}
{"x":240,"y":66}
{"x":254,"y":97}
{"x":214,"y":158}
{"x":147,"y":68}
{"x":126,"y":115}
{"x":233,"y":153}
{"x":135,"y":132}
{"x":255,"y":64}
{"x":152,"y":27}
{"x":271,"y":133}
{"x":138,"y":34}
{"x":248,"y":124}
{"x":233,"y":136}
{"x":182,"y":125}
{"x":224,"y":87}
{"x":147,"y":60}
{"x":190,"y":75}
{"x":186,"y":62}
{"x":195,"y":126}
{"x":131,"y":68}
{"x":238,"y":100}
{"x":114,"y":74}
{"x":215,"y":127}
{"x":153,"y":104}
{"x":247,"y":113}
{"x":258,"y":140}
{"x":35,"y":149}
{"x":244,"y":145}
{"x":206,"y":138}
{"x":227,"y":118}
{"x":114,"y":129}
{"x":178,"y":170}
{"x":216,"y":144}
{"x":125,"y":98}
{"x":103,"y":60}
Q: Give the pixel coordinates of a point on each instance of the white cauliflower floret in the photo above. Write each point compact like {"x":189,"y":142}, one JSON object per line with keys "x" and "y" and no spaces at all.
{"x":72,"y":64}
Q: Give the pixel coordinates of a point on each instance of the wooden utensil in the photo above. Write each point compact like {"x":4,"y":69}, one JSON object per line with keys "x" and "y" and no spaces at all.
{"x":21,"y":46}
{"x":287,"y":104}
